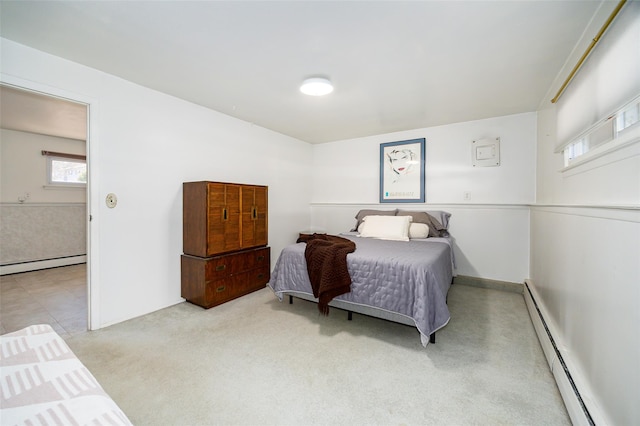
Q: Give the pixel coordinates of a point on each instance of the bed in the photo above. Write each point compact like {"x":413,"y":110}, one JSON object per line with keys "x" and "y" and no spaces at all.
{"x":402,"y":280}
{"x":43,"y":382}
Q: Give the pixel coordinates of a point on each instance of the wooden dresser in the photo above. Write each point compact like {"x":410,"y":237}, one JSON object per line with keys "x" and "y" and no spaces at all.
{"x":225,"y":237}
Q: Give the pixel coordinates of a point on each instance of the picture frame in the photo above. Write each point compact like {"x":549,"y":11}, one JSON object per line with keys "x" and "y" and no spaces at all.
{"x":402,"y":171}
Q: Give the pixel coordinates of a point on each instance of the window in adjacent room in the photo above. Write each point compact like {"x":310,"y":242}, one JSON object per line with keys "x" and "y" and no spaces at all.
{"x":66,"y":169}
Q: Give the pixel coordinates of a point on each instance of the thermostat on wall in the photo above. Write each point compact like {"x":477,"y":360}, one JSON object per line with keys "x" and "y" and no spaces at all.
{"x":486,"y":152}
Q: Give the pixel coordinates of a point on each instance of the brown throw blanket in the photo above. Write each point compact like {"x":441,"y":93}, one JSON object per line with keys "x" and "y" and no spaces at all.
{"x":326,"y":257}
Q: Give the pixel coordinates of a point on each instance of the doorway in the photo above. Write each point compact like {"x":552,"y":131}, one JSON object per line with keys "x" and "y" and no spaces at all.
{"x":45,"y":269}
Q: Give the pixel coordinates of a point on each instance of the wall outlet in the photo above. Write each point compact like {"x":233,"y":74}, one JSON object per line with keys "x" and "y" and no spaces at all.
{"x":466,"y":195}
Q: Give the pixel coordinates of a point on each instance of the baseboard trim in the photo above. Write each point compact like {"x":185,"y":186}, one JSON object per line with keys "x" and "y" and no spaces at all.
{"x":490,"y":284}
{"x":573,"y":401}
{"x":36,"y":265}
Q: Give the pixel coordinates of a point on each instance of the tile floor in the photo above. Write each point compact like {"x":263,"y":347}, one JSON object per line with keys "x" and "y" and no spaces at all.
{"x":56,"y":296}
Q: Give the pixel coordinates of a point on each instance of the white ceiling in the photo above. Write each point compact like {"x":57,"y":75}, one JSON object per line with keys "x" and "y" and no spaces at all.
{"x":395,"y":65}
{"x":31,"y":112}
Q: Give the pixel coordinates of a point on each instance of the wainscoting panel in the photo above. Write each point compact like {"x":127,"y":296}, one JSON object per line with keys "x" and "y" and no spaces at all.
{"x":584,"y":281}
{"x":32,"y":233}
{"x":490,"y":240}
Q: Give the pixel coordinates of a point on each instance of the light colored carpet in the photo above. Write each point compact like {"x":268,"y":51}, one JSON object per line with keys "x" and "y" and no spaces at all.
{"x":256,"y":361}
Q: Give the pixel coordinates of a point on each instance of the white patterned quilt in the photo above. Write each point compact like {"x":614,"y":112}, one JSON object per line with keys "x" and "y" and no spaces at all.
{"x":42,"y":382}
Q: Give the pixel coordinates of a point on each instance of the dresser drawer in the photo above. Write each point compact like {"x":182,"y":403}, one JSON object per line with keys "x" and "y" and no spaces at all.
{"x":252,"y":280}
{"x":234,"y":286}
{"x":222,"y":266}
{"x":211,"y":281}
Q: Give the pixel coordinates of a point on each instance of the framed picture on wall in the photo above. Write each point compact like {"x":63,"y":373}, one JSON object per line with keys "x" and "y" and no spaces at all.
{"x":402,"y":171}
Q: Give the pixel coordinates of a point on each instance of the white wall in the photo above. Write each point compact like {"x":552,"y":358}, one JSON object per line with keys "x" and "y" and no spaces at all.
{"x":51,"y":223}
{"x":585,"y":263}
{"x":348,"y":171}
{"x":585,"y":270}
{"x":143,"y":144}
{"x":491,"y":230}
{"x":24,"y":168}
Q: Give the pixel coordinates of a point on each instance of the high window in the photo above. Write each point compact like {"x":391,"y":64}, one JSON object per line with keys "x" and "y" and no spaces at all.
{"x":66,"y":169}
{"x":621,"y":128}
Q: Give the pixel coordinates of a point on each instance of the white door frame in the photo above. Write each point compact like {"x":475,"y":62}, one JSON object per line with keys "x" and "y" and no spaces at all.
{"x":93,"y":282}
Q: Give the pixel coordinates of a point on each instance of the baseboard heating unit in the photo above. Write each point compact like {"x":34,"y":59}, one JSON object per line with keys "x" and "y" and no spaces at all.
{"x":35,"y":265}
{"x":569,"y":390}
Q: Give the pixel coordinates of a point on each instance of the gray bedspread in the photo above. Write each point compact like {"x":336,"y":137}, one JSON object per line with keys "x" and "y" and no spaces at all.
{"x":410,"y":278}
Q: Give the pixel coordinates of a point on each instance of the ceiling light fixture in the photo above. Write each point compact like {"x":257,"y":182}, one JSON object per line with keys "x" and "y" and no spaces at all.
{"x":317,"y":86}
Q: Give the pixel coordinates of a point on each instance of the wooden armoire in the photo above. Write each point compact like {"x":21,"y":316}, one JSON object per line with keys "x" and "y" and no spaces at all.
{"x":224,"y":241}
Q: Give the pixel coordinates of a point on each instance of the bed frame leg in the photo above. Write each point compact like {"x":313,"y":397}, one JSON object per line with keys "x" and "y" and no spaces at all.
{"x":290,"y":299}
{"x":349,"y":315}
{"x":432,"y":338}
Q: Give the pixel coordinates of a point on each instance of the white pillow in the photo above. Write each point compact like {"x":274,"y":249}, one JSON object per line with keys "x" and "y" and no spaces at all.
{"x":418,"y":230}
{"x":386,"y":227}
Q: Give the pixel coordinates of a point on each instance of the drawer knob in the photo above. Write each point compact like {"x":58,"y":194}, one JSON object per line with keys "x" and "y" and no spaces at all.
{"x":220,"y":289}
{"x":260,"y":258}
{"x":260,"y":276}
{"x":221,"y":267}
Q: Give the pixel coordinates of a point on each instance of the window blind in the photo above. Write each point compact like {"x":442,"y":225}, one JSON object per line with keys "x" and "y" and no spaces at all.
{"x":64,"y":155}
{"x":608,"y":79}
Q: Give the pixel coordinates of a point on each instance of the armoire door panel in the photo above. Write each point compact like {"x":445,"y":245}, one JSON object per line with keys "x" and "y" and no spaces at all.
{"x":254,"y":216}
{"x":224,"y":218}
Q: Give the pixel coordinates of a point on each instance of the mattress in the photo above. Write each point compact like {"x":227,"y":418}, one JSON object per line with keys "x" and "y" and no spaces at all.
{"x":410,"y":279}
{"x":43,"y":382}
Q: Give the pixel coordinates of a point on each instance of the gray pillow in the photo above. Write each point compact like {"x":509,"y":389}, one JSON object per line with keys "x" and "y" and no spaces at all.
{"x":436,"y":228}
{"x":440,"y":216}
{"x":366,"y":212}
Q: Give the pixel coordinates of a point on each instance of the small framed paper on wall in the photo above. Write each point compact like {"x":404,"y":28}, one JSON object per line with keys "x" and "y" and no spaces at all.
{"x":402,"y":171}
